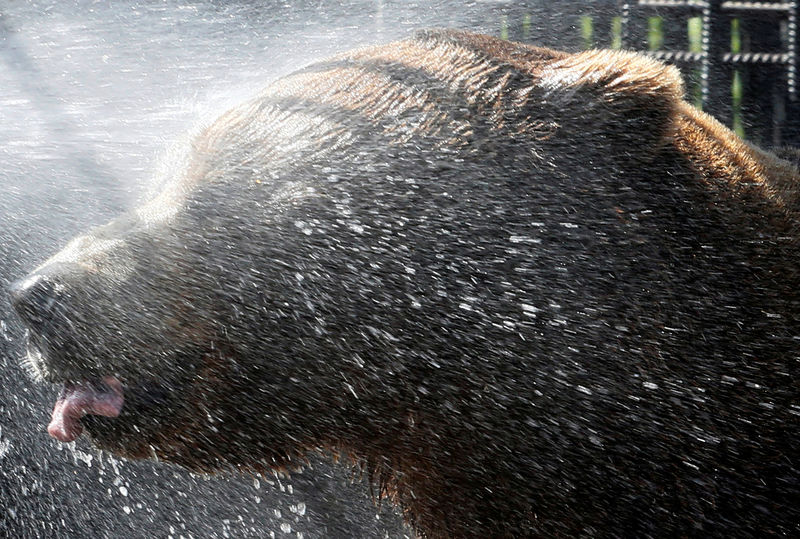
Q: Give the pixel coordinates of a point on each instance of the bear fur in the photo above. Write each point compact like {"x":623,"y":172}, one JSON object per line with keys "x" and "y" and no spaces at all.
{"x":531,"y":293}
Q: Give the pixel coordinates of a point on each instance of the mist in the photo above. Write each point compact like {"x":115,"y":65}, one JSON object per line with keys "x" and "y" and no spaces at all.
{"x":93,"y":94}
{"x":94,"y":98}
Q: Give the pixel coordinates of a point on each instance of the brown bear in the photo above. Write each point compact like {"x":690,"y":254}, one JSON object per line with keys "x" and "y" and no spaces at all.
{"x":531,"y":293}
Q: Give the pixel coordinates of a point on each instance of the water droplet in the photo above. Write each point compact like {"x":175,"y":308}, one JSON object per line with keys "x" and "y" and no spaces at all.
{"x":529,"y":310}
{"x":4,"y":331}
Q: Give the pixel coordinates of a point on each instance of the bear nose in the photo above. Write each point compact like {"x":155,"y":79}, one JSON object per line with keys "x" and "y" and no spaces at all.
{"x":33,"y":298}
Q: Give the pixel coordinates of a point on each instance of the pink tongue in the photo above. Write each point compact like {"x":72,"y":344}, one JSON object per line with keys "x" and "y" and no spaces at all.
{"x":78,"y":399}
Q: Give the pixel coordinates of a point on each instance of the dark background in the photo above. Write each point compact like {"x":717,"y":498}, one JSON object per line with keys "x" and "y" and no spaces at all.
{"x":91,"y":96}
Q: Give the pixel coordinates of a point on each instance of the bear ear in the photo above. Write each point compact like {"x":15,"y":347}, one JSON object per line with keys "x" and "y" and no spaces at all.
{"x":619,"y":96}
{"x":620,"y":100}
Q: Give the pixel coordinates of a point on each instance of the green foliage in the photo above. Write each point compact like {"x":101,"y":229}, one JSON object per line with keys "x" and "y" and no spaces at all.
{"x":616,"y":33}
{"x":737,"y":84}
{"x":655,"y":33}
{"x":587,"y":29}
{"x":526,"y":27}
{"x":694,"y":29}
{"x":694,"y":33}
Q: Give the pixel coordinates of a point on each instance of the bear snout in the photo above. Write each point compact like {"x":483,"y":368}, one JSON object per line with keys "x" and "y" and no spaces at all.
{"x":34,"y":299}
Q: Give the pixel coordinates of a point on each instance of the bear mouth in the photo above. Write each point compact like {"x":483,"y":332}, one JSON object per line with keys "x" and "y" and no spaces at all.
{"x":116,"y":405}
{"x":100,"y":402}
{"x":81,"y":395}
{"x":103,"y":397}
{"x":112,"y":410}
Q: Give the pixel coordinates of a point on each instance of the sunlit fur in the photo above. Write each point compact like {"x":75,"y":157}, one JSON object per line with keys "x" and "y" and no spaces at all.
{"x":530,"y":292}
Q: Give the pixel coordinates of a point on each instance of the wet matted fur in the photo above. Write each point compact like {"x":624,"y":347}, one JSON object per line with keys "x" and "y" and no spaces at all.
{"x":531,"y":292}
